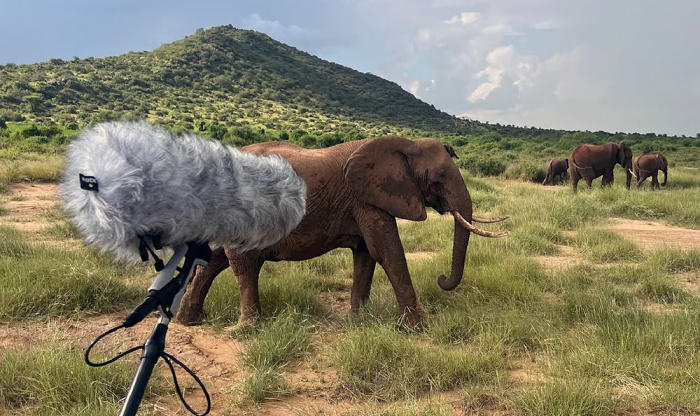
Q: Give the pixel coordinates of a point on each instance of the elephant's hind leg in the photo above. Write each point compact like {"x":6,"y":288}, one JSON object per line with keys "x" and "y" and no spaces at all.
{"x":640,"y":179}
{"x":191,"y":307}
{"x":575,"y":177}
{"x":363,"y":265}
{"x":246,"y":267}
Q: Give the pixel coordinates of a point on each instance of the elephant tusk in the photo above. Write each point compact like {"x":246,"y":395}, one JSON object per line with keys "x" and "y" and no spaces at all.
{"x":490,"y":220}
{"x":478,"y":231}
{"x":630,"y":170}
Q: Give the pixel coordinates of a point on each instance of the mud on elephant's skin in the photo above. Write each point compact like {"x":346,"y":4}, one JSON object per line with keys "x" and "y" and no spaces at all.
{"x":645,"y":166}
{"x":556,"y":168}
{"x":590,"y":161}
{"x":355,"y":192}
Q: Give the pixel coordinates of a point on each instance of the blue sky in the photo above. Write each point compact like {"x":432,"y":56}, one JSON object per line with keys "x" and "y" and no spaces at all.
{"x":613,"y":65}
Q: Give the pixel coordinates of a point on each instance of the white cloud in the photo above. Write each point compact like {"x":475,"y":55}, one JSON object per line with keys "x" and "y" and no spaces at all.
{"x":275,"y":29}
{"x":466,"y":18}
{"x":415,"y":85}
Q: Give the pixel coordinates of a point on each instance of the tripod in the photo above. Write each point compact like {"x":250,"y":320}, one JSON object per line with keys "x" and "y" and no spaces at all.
{"x":163,"y":298}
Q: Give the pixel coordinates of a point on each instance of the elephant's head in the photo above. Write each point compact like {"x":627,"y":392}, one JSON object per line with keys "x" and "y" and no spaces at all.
{"x":663,"y":166}
{"x":624,"y":157}
{"x":402,"y":177}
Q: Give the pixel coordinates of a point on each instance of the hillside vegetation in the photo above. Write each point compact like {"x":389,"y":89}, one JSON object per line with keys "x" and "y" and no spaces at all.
{"x":243,"y":87}
{"x":218,"y":77}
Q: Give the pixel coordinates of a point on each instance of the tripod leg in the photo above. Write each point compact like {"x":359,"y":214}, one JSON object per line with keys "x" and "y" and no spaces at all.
{"x":154,"y":347}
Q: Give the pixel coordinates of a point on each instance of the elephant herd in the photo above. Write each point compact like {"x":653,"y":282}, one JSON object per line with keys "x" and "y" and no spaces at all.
{"x":589,"y":162}
{"x":355,"y":192}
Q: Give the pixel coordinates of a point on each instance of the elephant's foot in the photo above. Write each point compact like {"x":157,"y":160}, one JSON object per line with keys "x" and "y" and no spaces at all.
{"x":190,"y":313}
{"x":244,"y":326}
{"x":413,"y":319}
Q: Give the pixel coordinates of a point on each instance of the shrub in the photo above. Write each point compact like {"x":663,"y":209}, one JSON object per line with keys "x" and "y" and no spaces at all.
{"x":482,"y":165}
{"x":526,"y":171}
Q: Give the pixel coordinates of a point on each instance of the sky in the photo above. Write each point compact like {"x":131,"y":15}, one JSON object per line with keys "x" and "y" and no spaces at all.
{"x":611,"y":65}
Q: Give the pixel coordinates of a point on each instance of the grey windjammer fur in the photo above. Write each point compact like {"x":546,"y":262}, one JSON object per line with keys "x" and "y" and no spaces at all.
{"x":184,"y":188}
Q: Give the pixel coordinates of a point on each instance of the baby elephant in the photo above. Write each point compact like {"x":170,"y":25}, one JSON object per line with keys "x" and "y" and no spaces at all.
{"x":557,"y":167}
{"x":649,"y":165}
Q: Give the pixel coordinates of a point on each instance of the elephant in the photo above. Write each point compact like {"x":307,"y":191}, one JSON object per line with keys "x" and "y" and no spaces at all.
{"x":556,"y":168}
{"x":355,"y":192}
{"x":650,"y":165}
{"x":590,"y":161}
{"x":451,"y":151}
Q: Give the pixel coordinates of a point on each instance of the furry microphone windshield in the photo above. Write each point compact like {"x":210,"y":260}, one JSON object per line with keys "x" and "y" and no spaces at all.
{"x":128,"y":180}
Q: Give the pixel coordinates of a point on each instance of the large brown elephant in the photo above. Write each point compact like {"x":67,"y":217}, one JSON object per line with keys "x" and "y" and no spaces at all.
{"x":590,"y":161}
{"x":355,"y":192}
{"x":645,"y":166}
{"x":556,"y":168}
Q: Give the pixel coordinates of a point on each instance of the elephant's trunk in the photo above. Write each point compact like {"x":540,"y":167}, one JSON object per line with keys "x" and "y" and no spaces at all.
{"x":459,"y":256}
{"x":457,"y":200}
{"x":665,"y":177}
{"x":463,"y":229}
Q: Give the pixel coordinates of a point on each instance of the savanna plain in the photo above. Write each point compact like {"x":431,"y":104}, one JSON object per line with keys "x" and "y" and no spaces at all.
{"x":590,"y":307}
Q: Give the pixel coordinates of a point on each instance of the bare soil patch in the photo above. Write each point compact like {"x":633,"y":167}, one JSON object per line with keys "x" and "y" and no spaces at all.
{"x":690,"y":282}
{"x":566,"y":258}
{"x":419,"y":256}
{"x":32,"y":202}
{"x":649,"y":235}
{"x":211,"y":355}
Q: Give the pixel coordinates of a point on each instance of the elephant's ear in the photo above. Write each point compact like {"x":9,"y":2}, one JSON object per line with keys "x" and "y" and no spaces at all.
{"x":380,"y":174}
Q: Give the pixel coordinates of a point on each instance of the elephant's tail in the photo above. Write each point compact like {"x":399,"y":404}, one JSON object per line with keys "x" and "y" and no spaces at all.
{"x":549,"y":175}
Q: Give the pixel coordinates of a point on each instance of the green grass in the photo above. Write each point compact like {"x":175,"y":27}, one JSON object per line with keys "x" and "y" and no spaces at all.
{"x":52,"y":379}
{"x":614,"y":334}
{"x":561,"y":398}
{"x":403,"y":409}
{"x":45,"y":282}
{"x":605,"y":246}
{"x":274,"y":344}
{"x":40,"y":169}
{"x":380,"y":363}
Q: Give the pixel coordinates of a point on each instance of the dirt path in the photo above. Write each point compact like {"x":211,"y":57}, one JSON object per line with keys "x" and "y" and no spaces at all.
{"x":650,"y":235}
{"x":27,"y":206}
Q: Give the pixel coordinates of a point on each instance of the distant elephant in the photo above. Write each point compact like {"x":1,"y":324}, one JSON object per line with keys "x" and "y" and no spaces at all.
{"x":556,"y":168}
{"x":355,"y":192}
{"x":650,"y":165}
{"x":590,"y":161}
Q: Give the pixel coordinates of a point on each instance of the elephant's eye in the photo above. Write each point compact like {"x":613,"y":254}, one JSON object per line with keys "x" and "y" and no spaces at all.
{"x":441,"y":173}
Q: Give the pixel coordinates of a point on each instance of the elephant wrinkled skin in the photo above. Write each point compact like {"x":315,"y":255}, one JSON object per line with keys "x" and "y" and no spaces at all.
{"x":355,"y":192}
{"x":645,"y":166}
{"x":590,"y":161}
{"x":556,"y":168}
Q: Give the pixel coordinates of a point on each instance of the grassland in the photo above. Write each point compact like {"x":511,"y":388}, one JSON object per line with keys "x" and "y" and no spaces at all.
{"x":613,"y":331}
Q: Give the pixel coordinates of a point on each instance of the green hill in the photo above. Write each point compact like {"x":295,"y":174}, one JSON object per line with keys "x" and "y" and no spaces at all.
{"x":243,"y":87}
{"x":221,"y":77}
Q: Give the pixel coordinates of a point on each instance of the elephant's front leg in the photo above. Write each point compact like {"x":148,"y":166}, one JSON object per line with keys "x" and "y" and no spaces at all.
{"x":655,"y":181}
{"x":363,"y":272}
{"x":382,"y":238}
{"x":191,"y":307}
{"x":247,"y":267}
{"x":608,"y":178}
